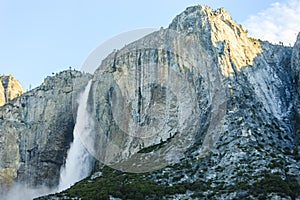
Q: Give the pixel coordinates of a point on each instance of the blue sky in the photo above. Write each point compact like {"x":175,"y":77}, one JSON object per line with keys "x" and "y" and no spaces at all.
{"x":41,"y":37}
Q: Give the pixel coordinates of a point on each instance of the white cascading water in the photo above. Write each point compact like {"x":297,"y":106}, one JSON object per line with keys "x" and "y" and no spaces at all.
{"x":79,"y":162}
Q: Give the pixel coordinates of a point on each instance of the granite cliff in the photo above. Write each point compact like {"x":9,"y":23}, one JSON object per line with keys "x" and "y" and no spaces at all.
{"x":232,"y":96}
{"x":36,"y":129}
{"x":199,"y":109}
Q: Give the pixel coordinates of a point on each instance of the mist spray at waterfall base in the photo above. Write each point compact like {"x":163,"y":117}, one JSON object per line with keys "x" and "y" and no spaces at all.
{"x":79,"y":162}
{"x":22,"y":191}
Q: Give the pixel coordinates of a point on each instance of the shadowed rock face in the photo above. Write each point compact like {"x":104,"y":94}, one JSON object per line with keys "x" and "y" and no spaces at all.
{"x":296,"y":63}
{"x":9,"y":89}
{"x":220,"y":104}
{"x":36,"y":129}
{"x":296,"y":81}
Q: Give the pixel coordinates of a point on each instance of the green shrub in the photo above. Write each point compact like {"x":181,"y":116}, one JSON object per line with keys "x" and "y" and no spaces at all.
{"x":274,"y":183}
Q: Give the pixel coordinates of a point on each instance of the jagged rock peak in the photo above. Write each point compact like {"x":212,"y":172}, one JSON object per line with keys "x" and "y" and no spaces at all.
{"x":9,"y":88}
{"x":204,"y":11}
{"x":235,"y":48}
{"x":194,"y":18}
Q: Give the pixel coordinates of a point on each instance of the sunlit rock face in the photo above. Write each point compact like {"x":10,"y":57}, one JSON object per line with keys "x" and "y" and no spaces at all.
{"x":36,"y":129}
{"x":2,"y":95}
{"x":9,"y":88}
{"x":234,"y":47}
{"x":152,"y":90}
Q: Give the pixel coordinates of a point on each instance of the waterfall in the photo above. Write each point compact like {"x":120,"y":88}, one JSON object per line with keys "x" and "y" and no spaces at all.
{"x":79,"y":162}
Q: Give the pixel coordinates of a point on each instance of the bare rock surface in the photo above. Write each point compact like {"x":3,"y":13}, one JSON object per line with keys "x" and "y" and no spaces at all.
{"x":36,"y":129}
{"x":9,"y":88}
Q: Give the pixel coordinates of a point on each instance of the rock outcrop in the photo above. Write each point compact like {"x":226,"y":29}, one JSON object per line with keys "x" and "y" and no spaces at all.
{"x":36,"y":129}
{"x":10,"y":88}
